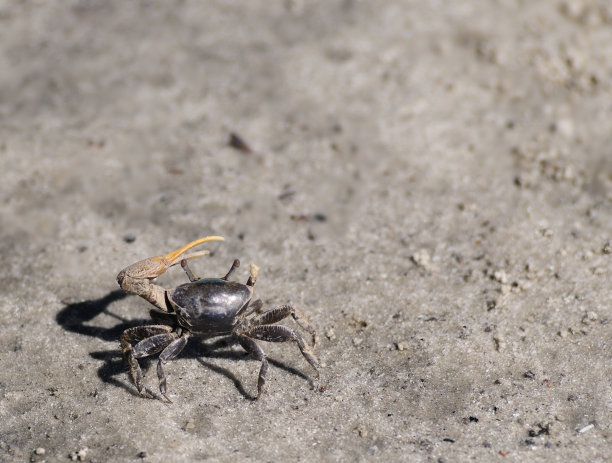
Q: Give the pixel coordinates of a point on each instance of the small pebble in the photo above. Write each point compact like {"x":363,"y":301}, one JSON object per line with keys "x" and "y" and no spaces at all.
{"x":565,"y":127}
{"x":589,"y":317}
{"x":573,"y":330}
{"x":547,"y":232}
{"x":588,"y":427}
{"x":81,"y":455}
{"x":129,"y":237}
{"x":330,"y":334}
{"x":237,"y":142}
{"x":400,"y":346}
{"x":540,"y":429}
{"x":423,"y":259}
{"x":189,"y":426}
{"x":500,"y":276}
{"x":40,"y":451}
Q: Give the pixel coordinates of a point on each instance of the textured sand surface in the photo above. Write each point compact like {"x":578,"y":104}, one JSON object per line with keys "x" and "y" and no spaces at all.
{"x":431,"y":182}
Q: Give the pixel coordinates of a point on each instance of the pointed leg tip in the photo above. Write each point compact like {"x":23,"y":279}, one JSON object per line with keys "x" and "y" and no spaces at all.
{"x":146,"y":394}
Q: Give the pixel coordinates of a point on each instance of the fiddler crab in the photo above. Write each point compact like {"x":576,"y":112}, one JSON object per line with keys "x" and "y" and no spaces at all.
{"x":202,"y":307}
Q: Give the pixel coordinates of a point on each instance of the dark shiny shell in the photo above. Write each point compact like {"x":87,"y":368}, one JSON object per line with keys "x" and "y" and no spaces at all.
{"x":210,"y":305}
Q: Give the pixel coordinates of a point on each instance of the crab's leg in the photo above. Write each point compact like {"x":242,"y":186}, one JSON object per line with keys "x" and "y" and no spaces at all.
{"x":279,"y":333}
{"x":275,"y":315}
{"x":253,"y":307}
{"x":253,"y":348}
{"x":142,"y":335}
{"x":168,"y":354}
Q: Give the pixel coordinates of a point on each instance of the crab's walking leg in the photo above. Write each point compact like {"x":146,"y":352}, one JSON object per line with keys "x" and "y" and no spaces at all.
{"x":150,"y":340}
{"x":169,"y":353}
{"x":252,"y":348}
{"x":283,"y":311}
{"x":279,"y":333}
{"x":254,"y":306}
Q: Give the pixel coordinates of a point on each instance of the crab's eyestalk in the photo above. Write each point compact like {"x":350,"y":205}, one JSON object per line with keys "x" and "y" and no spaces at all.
{"x":154,"y":266}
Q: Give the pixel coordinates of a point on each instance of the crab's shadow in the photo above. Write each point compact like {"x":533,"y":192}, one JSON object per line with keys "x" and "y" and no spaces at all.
{"x":76,"y":318}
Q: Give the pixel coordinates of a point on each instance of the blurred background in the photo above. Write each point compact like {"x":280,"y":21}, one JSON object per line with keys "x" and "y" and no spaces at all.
{"x":429,"y":181}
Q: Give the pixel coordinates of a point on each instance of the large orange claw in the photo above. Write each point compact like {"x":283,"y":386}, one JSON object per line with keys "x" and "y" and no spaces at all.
{"x":154,"y":266}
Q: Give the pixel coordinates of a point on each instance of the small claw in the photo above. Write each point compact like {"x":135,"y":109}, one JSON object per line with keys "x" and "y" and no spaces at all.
{"x":154,"y":266}
{"x":253,"y":272}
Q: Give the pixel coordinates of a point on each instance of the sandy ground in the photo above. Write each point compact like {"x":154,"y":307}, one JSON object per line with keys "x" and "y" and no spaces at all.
{"x":431,"y":182}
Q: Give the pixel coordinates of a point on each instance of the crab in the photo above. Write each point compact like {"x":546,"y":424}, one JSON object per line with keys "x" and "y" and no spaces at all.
{"x":203,"y":307}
